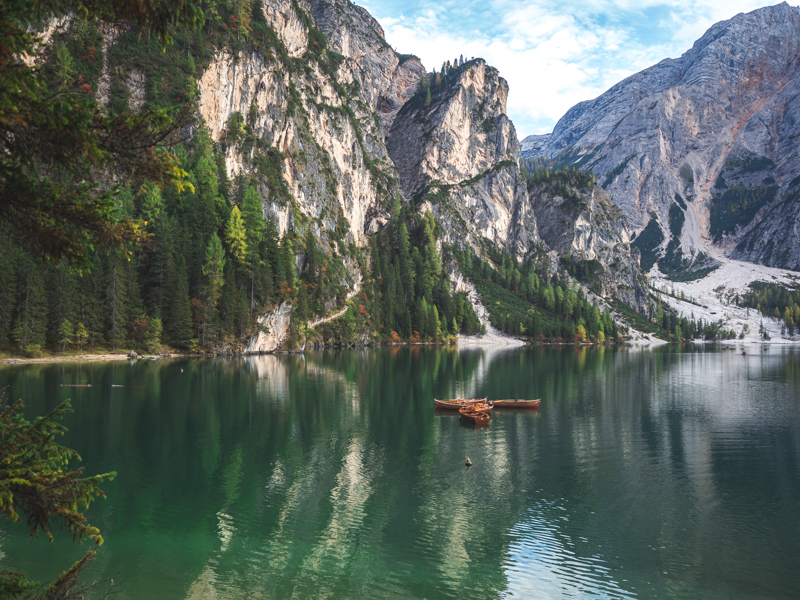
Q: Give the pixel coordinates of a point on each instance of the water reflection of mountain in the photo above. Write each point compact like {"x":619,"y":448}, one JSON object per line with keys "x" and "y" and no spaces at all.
{"x":331,"y":476}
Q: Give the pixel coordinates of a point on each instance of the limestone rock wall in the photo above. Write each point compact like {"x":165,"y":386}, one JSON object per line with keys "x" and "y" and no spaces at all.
{"x":273,"y":330}
{"x":686,"y":131}
{"x":320,"y":125}
{"x":594,"y":232}
{"x":458,"y":156}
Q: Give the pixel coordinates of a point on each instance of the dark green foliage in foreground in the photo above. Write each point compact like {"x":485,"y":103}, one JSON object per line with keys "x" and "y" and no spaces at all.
{"x":58,"y":147}
{"x":37,"y":484}
{"x":523,"y":301}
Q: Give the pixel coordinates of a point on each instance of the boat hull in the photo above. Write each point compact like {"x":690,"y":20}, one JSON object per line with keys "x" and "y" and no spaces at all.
{"x":456,"y":404}
{"x":478,"y":408}
{"x":517,"y":403}
{"x":479,"y":418}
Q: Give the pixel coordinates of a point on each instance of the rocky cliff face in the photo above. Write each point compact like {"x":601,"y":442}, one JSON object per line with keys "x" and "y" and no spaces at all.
{"x":590,"y":235}
{"x":313,"y":114}
{"x":704,"y":145}
{"x":457,"y":154}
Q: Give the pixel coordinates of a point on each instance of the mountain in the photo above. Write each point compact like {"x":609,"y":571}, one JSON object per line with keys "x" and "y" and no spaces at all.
{"x":457,"y":156}
{"x":340,"y":194}
{"x":700,"y":152}
{"x":391,"y":137}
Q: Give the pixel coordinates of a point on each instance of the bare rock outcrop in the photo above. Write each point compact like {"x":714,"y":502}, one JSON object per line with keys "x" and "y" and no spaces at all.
{"x":457,"y":155}
{"x":317,"y":130}
{"x":590,"y":234}
{"x":273,"y":330}
{"x":405,"y":83}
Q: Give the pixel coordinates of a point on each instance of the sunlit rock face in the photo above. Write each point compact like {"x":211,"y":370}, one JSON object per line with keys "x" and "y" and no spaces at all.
{"x":273,"y":330}
{"x":705,"y":144}
{"x":458,"y":156}
{"x":322,"y":124}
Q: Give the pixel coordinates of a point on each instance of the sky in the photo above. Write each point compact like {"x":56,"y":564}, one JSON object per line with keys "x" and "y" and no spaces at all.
{"x":553,"y":53}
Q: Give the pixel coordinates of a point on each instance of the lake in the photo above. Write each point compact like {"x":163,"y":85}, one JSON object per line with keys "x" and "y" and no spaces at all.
{"x":671,"y":472}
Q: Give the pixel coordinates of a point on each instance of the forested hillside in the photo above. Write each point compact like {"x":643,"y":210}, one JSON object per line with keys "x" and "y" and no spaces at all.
{"x":210,"y":262}
{"x":289,"y":131}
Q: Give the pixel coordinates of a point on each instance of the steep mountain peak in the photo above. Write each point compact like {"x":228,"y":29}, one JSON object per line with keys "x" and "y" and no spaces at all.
{"x":709,"y":133}
{"x":457,"y":154}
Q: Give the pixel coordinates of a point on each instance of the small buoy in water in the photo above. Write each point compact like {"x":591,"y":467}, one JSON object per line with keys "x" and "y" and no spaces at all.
{"x":469,"y":462}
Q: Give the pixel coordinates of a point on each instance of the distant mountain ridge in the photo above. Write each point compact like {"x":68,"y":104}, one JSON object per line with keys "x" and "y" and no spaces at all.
{"x":704,"y":146}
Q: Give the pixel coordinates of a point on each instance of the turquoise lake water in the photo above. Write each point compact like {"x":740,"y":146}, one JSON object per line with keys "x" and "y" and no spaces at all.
{"x":664,"y":473}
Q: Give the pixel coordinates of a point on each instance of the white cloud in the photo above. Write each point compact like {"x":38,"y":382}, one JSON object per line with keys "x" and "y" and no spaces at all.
{"x":554,"y":53}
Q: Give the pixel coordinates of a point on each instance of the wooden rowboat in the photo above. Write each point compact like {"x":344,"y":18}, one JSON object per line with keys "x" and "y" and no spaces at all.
{"x":476,"y":417}
{"x":482,"y":408}
{"x":517,"y":403}
{"x":456,"y":404}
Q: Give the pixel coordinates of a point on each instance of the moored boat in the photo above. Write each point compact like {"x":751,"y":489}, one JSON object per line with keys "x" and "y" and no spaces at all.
{"x":458,"y":403}
{"x":482,"y":408}
{"x":479,"y":418}
{"x":511,"y":403}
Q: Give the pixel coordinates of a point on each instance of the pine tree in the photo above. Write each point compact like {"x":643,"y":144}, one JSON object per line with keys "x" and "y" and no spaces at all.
{"x":287,"y":264}
{"x":207,"y":210}
{"x":152,"y":340}
{"x":242,"y":12}
{"x":65,"y":334}
{"x":253,"y":217}
{"x":214,"y":270}
{"x":236,"y":236}
{"x":180,"y":313}
{"x":8,"y":289}
{"x":31,"y":324}
{"x":116,"y":297}
{"x":431,"y":262}
{"x":258,"y":12}
{"x":63,"y":293}
{"x":91,"y":300}
{"x":157,"y":277}
{"x":405,"y":265}
{"x":271,"y":256}
{"x":81,"y":335}
{"x":152,"y":204}
{"x":214,"y":280}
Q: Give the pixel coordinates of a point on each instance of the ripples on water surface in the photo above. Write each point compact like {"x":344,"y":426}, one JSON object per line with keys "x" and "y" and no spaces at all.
{"x":667,"y":473}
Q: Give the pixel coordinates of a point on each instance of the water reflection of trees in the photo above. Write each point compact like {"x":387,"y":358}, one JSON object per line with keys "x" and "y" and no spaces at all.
{"x":280,"y":475}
